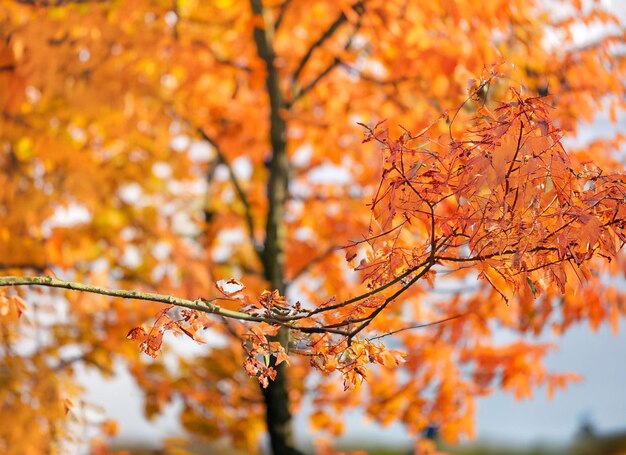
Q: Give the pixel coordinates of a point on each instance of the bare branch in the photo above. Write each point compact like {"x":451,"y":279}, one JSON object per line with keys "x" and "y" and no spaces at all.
{"x":299,"y":92}
{"x":392,"y":297}
{"x":203,"y":305}
{"x":281,"y":14}
{"x":425,"y":265}
{"x":514,"y":160}
{"x":358,"y":7}
{"x":200,"y":304}
{"x":416,"y":326}
{"x":238,"y":189}
{"x":83,"y":358}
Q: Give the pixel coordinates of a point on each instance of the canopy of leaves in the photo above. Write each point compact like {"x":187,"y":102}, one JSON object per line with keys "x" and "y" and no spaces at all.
{"x":134,"y":154}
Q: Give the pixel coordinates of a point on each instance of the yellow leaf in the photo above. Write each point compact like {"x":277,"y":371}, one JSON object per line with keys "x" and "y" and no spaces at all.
{"x":24,"y":149}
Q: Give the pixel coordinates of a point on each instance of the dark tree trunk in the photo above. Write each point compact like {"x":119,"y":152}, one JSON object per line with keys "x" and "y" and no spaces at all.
{"x":278,"y":416}
{"x":276,"y":397}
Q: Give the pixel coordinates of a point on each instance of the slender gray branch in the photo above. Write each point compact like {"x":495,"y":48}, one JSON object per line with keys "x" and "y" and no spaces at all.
{"x":200,"y":304}
{"x":204,"y":305}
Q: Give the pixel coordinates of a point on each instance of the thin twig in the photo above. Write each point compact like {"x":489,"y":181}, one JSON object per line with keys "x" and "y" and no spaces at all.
{"x":429,"y":262}
{"x":298,"y":92}
{"x":281,"y":14}
{"x":390,"y":299}
{"x":417,"y":326}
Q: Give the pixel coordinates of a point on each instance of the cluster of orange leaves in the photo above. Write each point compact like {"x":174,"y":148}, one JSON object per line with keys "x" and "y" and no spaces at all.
{"x":257,"y":347}
{"x":187,"y":322}
{"x":353,"y":361}
{"x":505,"y":200}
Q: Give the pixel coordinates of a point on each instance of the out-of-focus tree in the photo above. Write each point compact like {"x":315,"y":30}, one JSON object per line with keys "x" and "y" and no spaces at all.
{"x":164,"y":146}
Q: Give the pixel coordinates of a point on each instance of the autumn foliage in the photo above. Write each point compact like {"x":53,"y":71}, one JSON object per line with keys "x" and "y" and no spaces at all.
{"x":338,"y":201}
{"x":504,"y":202}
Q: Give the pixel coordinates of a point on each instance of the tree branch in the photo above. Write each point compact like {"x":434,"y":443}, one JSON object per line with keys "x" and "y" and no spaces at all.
{"x":84,"y":358}
{"x":514,"y":160}
{"x":416,"y":326}
{"x":427,"y":263}
{"x":241,"y":194}
{"x":298,"y":92}
{"x":203,"y":305}
{"x":363,"y":296}
{"x":200,"y":304}
{"x":358,"y":7}
{"x":281,"y":14}
{"x":391,"y":298}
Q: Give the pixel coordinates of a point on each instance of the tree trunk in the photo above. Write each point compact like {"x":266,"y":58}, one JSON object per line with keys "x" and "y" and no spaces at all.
{"x":276,"y":397}
{"x":277,"y":414}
